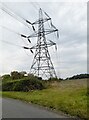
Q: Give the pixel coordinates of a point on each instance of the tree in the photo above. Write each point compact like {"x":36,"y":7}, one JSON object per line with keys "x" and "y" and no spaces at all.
{"x":23,"y":73}
{"x":15,"y":75}
{"x":6,"y":76}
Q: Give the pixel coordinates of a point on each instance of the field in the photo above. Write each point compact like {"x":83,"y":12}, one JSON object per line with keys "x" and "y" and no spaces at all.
{"x":69,"y":96}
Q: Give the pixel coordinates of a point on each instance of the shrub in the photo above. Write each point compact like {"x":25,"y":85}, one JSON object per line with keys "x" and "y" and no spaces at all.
{"x":23,"y":85}
{"x":5,"y":77}
{"x":7,"y":86}
{"x":15,"y":75}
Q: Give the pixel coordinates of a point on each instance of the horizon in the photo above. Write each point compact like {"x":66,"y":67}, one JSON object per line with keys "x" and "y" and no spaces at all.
{"x":42,"y":78}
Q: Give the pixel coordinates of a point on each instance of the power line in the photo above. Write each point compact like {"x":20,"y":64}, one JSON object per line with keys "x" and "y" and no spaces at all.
{"x":11,"y":43}
{"x":42,"y":64}
{"x":62,"y":62}
{"x":23,"y":41}
{"x":14,"y":12}
{"x":24,"y":47}
{"x":10,"y":30}
{"x":14,"y":15}
{"x":26,"y":53}
{"x":15,"y":45}
{"x":34,"y":5}
{"x":21,"y":35}
{"x":38,"y":5}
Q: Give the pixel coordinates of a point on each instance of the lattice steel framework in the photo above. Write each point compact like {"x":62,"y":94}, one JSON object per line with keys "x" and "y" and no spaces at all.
{"x":42,"y":65}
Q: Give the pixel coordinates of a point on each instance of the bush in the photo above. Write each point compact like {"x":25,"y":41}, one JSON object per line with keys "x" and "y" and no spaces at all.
{"x":15,"y":75}
{"x":6,"y":78}
{"x":23,"y":85}
{"x":7,"y":86}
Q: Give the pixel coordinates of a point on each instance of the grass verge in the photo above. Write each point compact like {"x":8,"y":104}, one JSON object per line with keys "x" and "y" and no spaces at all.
{"x":67,"y":96}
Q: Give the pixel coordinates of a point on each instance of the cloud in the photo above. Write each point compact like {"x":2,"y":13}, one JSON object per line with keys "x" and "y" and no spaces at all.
{"x":69,"y":18}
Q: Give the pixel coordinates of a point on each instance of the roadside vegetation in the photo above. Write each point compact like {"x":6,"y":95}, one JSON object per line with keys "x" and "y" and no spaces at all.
{"x":69,"y":96}
{"x":18,"y":82}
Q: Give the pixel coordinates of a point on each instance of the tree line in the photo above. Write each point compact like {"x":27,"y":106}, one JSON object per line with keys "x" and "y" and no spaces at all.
{"x":80,"y":76}
{"x":18,"y":75}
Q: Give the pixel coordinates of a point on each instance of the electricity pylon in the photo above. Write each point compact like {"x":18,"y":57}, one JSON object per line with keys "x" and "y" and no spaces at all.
{"x":42,"y":65}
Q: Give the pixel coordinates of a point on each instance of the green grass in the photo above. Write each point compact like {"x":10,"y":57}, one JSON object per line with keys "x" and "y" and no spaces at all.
{"x":67,"y":96}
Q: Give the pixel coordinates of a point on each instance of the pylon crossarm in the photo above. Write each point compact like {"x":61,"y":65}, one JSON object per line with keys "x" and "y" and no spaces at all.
{"x":42,"y":45}
{"x":46,"y":32}
{"x":41,"y":20}
{"x":50,"y":31}
{"x":33,"y":35}
{"x":23,"y":36}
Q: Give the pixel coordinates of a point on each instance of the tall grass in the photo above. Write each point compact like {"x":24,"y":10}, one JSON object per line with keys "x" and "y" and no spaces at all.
{"x":67,"y":96}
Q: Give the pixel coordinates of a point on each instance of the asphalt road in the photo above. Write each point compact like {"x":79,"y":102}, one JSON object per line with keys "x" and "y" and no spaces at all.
{"x":12,"y":108}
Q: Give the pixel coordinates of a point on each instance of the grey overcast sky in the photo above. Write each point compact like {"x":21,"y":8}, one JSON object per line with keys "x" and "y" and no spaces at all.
{"x":71,"y":20}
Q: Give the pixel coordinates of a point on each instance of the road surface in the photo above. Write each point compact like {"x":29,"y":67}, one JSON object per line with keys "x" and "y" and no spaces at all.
{"x":12,"y":108}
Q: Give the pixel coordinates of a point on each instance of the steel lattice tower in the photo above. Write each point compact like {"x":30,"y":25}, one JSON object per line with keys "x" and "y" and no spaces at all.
{"x":42,"y":65}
